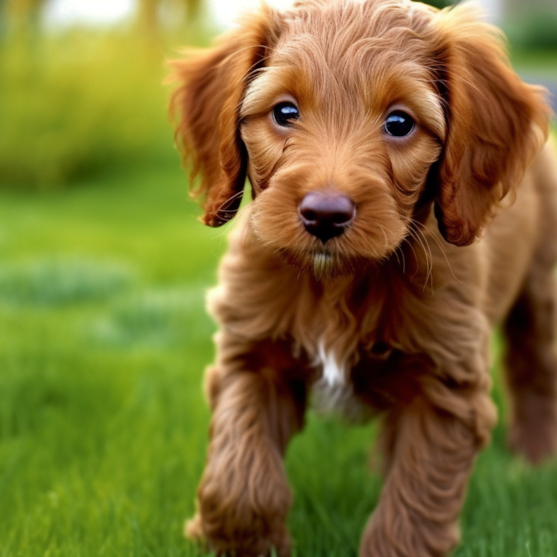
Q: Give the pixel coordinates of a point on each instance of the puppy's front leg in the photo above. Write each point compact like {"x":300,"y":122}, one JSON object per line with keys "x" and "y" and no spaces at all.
{"x":258,"y":401}
{"x":430,"y":447}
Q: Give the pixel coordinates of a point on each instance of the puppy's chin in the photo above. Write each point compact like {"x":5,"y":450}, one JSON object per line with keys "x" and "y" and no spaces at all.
{"x":325,"y":264}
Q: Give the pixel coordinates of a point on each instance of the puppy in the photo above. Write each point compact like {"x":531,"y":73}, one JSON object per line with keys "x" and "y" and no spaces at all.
{"x":403,"y":204}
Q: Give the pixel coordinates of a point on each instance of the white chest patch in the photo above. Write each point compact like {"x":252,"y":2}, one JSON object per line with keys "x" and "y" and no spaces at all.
{"x":333,"y":374}
{"x":333,"y":391}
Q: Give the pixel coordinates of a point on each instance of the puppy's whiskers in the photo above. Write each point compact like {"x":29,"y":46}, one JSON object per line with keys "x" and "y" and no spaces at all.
{"x":422,"y":241}
{"x":401,"y":251}
{"x":440,"y":246}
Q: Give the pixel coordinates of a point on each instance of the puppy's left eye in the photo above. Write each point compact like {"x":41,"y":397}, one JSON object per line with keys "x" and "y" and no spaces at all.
{"x":399,"y":124}
{"x":284,"y":113}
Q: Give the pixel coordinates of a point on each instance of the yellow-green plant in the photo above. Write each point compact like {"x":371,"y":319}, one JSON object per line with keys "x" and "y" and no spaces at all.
{"x":78,"y":103}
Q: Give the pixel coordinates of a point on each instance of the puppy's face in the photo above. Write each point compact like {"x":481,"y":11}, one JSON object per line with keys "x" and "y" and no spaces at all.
{"x":350,"y":117}
{"x":341,"y":127}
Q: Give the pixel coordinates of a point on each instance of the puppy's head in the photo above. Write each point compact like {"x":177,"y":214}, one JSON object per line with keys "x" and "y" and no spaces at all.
{"x":350,"y":119}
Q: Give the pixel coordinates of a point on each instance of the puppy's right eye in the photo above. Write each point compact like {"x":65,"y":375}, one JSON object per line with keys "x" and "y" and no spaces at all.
{"x":399,"y":124}
{"x":284,"y":113}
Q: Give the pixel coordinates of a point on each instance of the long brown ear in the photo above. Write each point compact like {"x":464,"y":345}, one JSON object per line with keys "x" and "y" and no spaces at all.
{"x":206,"y":107}
{"x":496,"y":123}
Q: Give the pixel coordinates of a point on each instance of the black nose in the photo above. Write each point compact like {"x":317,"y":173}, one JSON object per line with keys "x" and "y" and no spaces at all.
{"x":326,"y":215}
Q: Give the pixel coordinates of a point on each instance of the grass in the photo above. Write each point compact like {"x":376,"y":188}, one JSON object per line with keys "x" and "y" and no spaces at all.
{"x":103,"y":339}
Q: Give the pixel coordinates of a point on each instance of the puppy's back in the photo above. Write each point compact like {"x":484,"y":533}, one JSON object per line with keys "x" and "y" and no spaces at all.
{"x":523,"y":236}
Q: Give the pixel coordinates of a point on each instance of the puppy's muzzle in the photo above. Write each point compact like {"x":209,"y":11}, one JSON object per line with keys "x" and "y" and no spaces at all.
{"x":326,"y":215}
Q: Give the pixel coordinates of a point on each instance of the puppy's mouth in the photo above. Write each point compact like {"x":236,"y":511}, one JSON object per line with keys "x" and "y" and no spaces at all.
{"x":323,"y":263}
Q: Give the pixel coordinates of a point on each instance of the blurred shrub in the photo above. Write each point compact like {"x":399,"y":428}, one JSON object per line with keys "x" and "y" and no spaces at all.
{"x":535,"y":30}
{"x":58,"y":282}
{"x":154,"y":318}
{"x":72,"y":105}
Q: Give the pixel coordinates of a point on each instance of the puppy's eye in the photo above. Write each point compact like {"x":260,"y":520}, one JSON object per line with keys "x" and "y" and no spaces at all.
{"x":399,"y":124}
{"x":284,"y":113}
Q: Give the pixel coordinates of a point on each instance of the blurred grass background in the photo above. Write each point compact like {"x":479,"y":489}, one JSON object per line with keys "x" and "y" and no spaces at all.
{"x":103,"y":335}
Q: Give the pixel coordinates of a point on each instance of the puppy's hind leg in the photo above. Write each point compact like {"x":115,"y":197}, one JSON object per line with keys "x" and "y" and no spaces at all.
{"x":531,"y":366}
{"x":531,"y":359}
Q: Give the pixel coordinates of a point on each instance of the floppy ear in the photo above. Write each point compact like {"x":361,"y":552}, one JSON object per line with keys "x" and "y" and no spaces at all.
{"x":496,"y":123}
{"x":206,"y":106}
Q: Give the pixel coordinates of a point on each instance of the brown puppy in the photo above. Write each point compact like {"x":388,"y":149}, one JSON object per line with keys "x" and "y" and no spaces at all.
{"x":403,"y":205}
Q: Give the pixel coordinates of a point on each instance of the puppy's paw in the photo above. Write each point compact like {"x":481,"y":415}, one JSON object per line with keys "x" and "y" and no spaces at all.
{"x":243,"y":544}
{"x":193,"y":530}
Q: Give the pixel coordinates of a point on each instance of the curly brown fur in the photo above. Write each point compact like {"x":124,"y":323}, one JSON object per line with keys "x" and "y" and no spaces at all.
{"x":452,"y":232}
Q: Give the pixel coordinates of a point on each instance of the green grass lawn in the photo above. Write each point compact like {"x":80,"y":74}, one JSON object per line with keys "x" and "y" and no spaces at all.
{"x":103,"y":339}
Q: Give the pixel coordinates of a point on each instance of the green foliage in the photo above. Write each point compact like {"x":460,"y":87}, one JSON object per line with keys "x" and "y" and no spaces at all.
{"x":74,"y":105}
{"x":536,"y":30}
